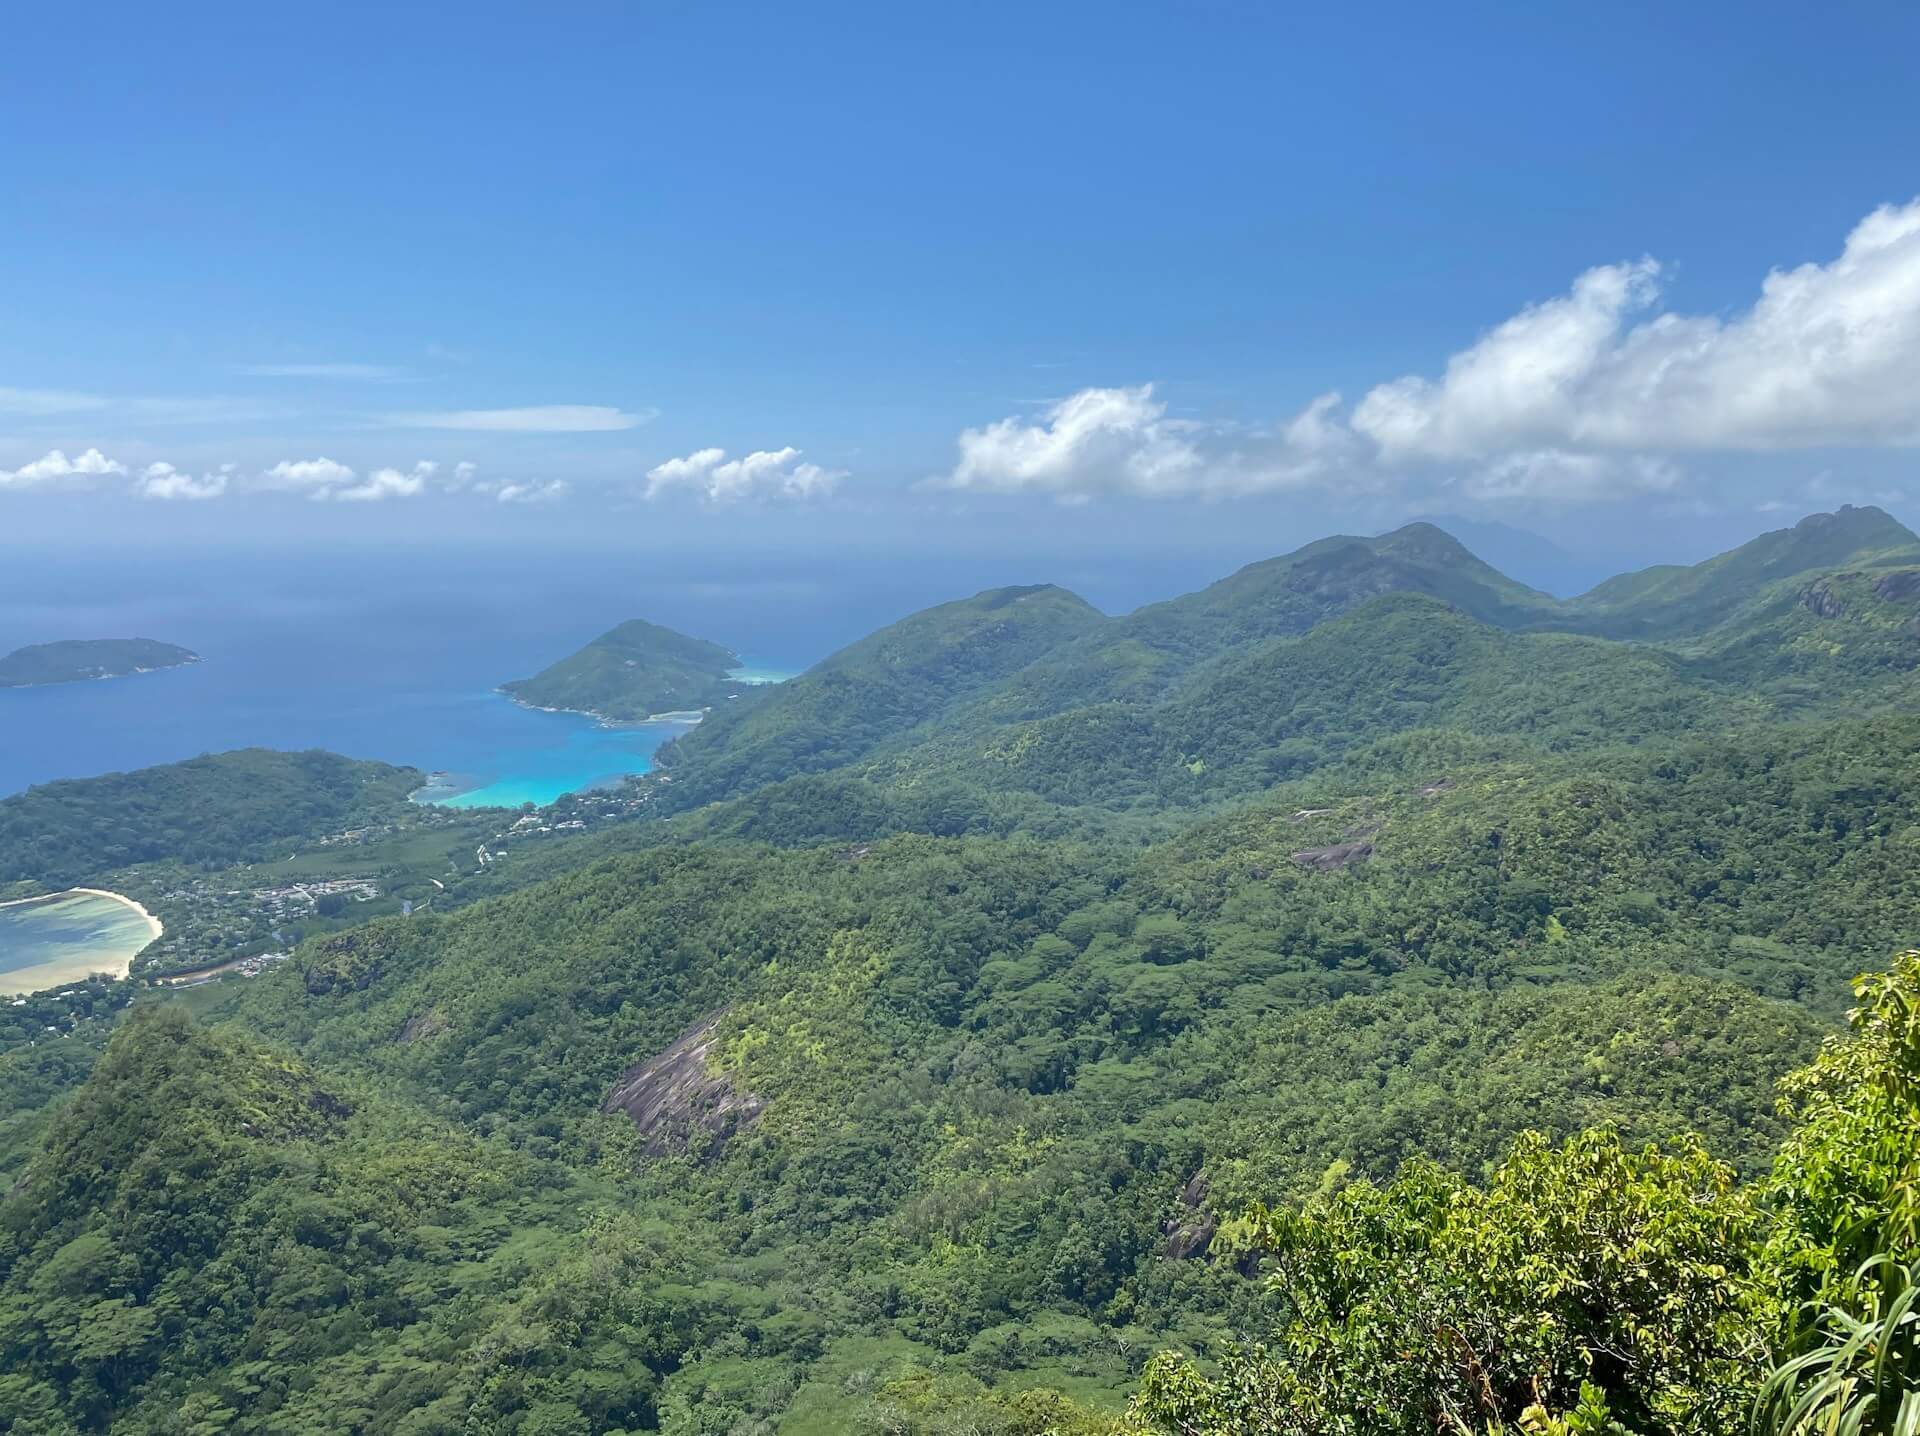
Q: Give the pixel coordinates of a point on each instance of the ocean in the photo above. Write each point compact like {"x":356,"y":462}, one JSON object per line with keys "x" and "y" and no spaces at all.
{"x":394,"y":653}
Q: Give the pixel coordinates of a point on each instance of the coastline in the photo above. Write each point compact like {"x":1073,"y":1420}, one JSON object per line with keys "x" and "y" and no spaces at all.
{"x":60,"y":972}
{"x":687,"y":715}
{"x":101,"y":677}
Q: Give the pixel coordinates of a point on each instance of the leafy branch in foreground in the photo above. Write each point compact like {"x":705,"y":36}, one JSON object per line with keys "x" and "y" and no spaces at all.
{"x":1590,"y":1287}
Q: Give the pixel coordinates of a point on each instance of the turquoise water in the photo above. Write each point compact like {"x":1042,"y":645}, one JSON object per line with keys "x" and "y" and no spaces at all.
{"x":55,"y":940}
{"x":751,"y":672}
{"x":562,"y":753}
{"x":570,"y":753}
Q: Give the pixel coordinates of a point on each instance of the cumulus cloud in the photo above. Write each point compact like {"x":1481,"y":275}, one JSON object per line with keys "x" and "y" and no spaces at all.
{"x":1582,"y":397}
{"x":765,"y":473}
{"x":1120,"y":441}
{"x":310,"y":474}
{"x":385,"y":484}
{"x":537,"y":419}
{"x":54,"y":464}
{"x":1827,"y":355}
{"x":326,"y":480}
{"x":164,"y":481}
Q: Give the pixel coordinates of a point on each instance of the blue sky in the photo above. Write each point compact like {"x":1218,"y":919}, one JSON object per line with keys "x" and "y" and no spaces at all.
{"x":965,"y":274}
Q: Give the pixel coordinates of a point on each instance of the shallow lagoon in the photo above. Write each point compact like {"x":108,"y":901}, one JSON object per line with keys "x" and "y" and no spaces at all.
{"x":47,"y":942}
{"x":563,"y":753}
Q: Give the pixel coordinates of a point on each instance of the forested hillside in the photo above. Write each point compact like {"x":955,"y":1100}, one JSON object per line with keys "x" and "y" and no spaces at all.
{"x":76,"y":660}
{"x":1270,"y":1038}
{"x":1291,"y":663}
{"x":632,"y":672}
{"x":217,"y":810}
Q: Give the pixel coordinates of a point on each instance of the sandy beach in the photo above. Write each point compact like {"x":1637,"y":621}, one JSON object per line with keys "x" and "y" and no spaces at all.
{"x":58,"y":973}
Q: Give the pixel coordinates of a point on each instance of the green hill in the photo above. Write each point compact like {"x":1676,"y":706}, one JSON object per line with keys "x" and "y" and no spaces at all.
{"x":211,"y":811}
{"x":882,"y":686}
{"x":1675,"y":601}
{"x":72,"y":660}
{"x":634,"y":672}
{"x":1023,"y":992}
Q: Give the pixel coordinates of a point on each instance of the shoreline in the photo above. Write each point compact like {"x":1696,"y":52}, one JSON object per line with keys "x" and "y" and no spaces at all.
{"x":685,"y":715}
{"x":64,"y":971}
{"x":99,"y":677}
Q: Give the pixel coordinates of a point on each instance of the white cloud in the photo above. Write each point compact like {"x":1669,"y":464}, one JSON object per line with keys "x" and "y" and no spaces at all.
{"x":1580,"y":398}
{"x":1826,"y":356}
{"x":371,"y":373}
{"x":385,"y":484}
{"x":326,"y":480}
{"x":548,"y":492}
{"x":539,"y":419}
{"x":164,"y":481}
{"x":56,"y":465}
{"x":307,"y":474}
{"x":765,"y":473}
{"x":1119,"y":441}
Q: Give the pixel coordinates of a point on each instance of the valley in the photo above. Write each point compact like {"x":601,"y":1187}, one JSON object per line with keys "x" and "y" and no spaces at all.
{"x":926,"y":1036}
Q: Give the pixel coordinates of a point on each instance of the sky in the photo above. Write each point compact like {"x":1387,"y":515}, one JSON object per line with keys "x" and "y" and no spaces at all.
{"x":1643,"y":279}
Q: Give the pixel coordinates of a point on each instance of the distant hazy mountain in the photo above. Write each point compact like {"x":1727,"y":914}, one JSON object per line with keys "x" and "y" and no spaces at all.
{"x":1534,"y":560}
{"x":1291,"y":661}
{"x":71,"y":660}
{"x":632,"y":672}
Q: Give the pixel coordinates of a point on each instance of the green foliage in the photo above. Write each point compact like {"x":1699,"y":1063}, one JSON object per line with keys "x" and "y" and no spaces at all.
{"x":212,"y":811}
{"x":1433,"y":1304}
{"x":1847,"y":1186}
{"x":634,"y":671}
{"x":1022,"y":951}
{"x":76,"y":659}
{"x":1644,"y":1290}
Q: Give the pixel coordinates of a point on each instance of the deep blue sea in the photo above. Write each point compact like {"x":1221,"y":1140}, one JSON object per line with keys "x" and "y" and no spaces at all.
{"x":394,"y":653}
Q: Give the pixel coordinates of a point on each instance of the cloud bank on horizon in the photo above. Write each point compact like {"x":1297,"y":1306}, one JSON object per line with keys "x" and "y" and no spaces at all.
{"x":1594,"y":395}
{"x":1588,"y":396}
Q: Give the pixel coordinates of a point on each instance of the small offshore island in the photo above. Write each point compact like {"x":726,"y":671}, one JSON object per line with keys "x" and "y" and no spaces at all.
{"x":76,"y":659}
{"x":633,"y":673}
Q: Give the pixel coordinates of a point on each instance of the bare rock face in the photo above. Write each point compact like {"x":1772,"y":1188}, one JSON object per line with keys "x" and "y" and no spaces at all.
{"x":423,"y":1025}
{"x":1190,"y":1235}
{"x":1899,"y":586}
{"x":1332,"y":859}
{"x":1821,"y":599}
{"x":672,"y":1095}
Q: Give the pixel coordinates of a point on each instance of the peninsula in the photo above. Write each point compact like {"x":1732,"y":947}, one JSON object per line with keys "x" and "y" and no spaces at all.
{"x":634,"y":672}
{"x":71,"y":660}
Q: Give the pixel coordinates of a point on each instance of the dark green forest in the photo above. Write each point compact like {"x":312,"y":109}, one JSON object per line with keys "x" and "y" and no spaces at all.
{"x":1366,"y":996}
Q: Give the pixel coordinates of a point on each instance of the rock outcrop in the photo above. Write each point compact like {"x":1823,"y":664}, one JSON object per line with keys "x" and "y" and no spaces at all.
{"x":674,"y":1094}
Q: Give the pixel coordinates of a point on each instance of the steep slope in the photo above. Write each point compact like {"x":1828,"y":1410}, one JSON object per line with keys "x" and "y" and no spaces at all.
{"x":1141,"y":656}
{"x":983,"y":1075}
{"x":1680,"y":601}
{"x":72,"y":660}
{"x":877,"y":688}
{"x":214,"y":1237}
{"x":1282,"y":707}
{"x":632,"y":672}
{"x":1202,"y":698}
